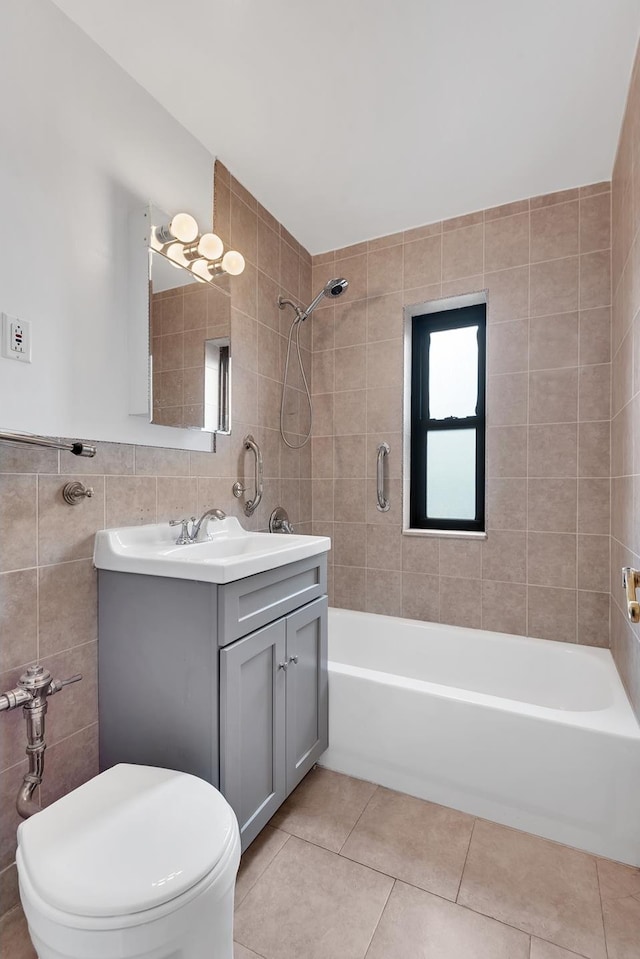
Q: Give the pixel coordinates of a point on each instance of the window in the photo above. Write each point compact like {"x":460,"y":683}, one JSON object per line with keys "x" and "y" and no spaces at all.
{"x":447,"y":418}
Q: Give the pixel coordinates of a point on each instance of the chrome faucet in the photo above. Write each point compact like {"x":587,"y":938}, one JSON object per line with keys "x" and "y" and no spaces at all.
{"x":198,"y":532}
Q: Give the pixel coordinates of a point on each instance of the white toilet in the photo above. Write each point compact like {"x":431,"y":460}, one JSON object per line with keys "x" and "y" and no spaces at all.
{"x":139,"y":863}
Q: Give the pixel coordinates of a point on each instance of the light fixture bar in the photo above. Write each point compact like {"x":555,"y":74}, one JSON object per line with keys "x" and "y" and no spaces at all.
{"x":203,"y":256}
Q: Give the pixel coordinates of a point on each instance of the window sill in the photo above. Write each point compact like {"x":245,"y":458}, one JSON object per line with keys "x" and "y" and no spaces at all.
{"x":445,"y":533}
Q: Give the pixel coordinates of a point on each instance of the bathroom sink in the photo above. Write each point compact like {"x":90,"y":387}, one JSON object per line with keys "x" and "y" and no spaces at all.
{"x":231,"y":553}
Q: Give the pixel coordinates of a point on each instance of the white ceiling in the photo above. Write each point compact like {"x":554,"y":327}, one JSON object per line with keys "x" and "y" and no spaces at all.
{"x":350,"y":119}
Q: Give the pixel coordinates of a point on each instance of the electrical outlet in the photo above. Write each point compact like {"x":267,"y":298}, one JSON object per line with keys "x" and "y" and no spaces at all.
{"x":16,"y":338}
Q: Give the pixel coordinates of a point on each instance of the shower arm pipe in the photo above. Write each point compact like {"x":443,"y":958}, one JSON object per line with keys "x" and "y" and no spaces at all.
{"x":77,"y":448}
{"x":301,"y":314}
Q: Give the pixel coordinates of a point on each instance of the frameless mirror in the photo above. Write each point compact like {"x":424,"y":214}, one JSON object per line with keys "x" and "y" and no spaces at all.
{"x":190,"y":349}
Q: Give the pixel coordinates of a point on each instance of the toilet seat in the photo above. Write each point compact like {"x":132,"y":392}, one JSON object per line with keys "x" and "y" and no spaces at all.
{"x":125,"y":844}
{"x":221,"y":876}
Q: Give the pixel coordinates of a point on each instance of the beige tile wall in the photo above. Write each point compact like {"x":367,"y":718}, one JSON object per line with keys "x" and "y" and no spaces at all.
{"x":625,"y":391}
{"x":544,"y":568}
{"x":48,"y":602}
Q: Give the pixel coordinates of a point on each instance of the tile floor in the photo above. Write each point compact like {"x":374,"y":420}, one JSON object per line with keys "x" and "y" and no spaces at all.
{"x":347,"y":870}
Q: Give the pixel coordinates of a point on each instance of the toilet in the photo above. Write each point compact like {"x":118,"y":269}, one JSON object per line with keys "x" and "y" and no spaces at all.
{"x":138,"y":863}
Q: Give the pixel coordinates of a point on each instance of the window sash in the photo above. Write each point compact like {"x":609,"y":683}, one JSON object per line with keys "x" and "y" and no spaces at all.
{"x":422,"y":424}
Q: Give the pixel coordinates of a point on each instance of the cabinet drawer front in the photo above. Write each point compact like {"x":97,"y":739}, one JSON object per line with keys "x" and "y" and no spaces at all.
{"x":248,"y":604}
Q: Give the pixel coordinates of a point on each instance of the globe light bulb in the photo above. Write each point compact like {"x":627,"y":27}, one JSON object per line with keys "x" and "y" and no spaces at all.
{"x":183,"y":227}
{"x":176,"y":253}
{"x":210,"y":246}
{"x":201,"y":269}
{"x":233,"y":262}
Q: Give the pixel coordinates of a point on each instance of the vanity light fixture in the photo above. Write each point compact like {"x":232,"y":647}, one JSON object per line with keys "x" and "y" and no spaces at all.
{"x":210,"y":246}
{"x":183,"y":227}
{"x":233,"y":262}
{"x":202,"y":255}
{"x":175,"y":252}
{"x":200,"y":269}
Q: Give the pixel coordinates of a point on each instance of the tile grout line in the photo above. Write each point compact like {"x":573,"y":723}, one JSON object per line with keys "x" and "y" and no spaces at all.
{"x":464,"y":865}
{"x":604,"y":931}
{"x":366,"y":806}
{"x":271,"y":861}
{"x":382,"y":911}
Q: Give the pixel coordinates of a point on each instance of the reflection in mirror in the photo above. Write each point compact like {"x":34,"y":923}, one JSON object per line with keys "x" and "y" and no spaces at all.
{"x":190,"y":330}
{"x":217,"y":385}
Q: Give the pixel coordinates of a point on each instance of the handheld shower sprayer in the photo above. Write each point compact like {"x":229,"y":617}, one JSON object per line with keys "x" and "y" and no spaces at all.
{"x":331,"y":289}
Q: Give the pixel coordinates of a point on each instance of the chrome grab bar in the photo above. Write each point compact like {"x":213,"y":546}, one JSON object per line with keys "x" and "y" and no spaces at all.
{"x":79,"y":449}
{"x":238,"y":489}
{"x":630,"y":583}
{"x":383,"y":503}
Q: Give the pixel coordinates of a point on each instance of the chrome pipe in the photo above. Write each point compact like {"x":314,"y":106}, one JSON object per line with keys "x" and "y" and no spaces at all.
{"x":32,"y":693}
{"x":77,"y":448}
{"x":383,"y":503}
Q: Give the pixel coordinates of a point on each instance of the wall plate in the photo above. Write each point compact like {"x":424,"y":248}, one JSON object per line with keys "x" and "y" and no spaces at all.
{"x":16,"y":338}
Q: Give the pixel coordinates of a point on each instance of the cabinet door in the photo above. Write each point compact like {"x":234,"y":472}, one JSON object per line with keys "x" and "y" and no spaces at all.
{"x":307,"y":690}
{"x":252,"y":727}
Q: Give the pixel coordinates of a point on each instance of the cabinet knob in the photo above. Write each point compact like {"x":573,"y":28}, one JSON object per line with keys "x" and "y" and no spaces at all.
{"x":283,"y":665}
{"x":293,"y":659}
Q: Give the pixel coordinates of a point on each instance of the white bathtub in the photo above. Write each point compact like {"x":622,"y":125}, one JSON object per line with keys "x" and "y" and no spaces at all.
{"x":530,"y":733}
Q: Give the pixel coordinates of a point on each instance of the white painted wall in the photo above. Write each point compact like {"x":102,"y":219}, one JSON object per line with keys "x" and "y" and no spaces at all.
{"x":82,"y":146}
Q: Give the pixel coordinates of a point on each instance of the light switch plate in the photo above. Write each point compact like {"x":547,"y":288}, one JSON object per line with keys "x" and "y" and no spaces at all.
{"x":16,"y":338}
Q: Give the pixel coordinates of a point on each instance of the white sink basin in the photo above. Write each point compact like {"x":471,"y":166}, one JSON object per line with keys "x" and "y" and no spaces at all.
{"x":231,"y":553}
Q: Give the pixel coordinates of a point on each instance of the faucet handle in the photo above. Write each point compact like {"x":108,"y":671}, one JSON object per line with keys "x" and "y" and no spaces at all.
{"x":184,"y":536}
{"x":57,"y":684}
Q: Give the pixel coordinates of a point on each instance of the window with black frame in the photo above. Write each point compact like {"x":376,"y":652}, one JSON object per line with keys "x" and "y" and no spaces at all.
{"x":448,"y":351}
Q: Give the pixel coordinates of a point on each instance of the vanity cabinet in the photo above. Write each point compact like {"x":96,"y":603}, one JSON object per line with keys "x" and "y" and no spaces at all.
{"x":227,"y":682}
{"x":273,"y":713}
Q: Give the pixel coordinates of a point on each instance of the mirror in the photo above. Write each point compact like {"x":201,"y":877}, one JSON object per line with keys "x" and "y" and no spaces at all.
{"x":189,"y":349}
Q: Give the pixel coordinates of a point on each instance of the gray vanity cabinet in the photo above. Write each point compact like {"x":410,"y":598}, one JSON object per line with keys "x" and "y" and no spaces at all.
{"x":226,"y":682}
{"x":273,"y":713}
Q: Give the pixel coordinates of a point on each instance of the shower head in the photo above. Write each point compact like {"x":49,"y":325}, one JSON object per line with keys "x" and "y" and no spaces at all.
{"x":336,"y":287}
{"x":331,"y":289}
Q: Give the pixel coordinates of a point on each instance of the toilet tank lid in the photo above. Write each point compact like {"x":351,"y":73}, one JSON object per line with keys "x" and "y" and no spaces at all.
{"x":132,"y":838}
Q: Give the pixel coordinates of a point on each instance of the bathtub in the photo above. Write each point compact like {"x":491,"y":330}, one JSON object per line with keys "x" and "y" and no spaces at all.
{"x":530,"y":733}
